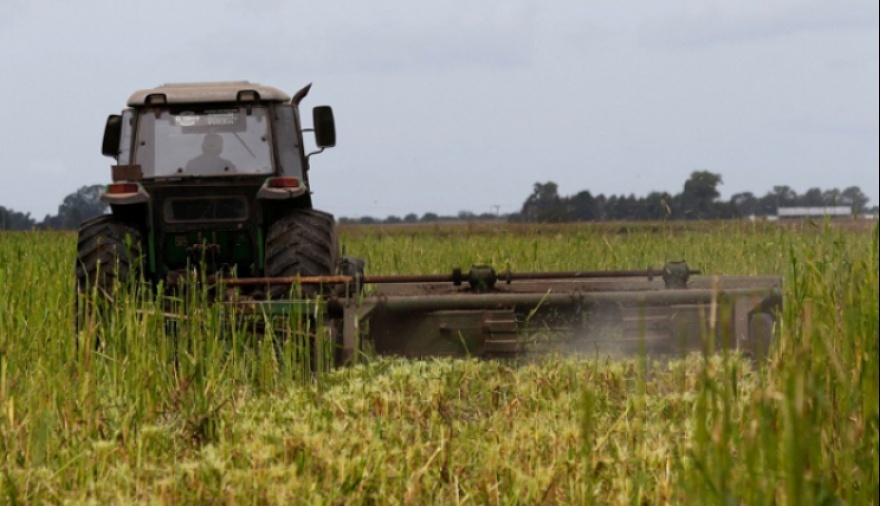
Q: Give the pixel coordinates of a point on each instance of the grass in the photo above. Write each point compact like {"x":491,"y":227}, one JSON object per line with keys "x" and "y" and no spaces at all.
{"x":215,"y":415}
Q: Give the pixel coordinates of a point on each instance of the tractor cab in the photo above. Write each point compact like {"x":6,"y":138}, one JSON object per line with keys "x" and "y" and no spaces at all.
{"x":204,"y":171}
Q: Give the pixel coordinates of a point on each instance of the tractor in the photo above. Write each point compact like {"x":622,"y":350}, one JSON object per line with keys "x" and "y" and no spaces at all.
{"x":214,"y":177}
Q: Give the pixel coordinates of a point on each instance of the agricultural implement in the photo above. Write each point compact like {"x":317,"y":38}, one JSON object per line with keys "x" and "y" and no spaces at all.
{"x":488,"y":314}
{"x":214,"y":177}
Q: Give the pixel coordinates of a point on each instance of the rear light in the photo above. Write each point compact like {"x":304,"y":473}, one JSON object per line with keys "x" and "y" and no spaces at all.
{"x":120,"y":188}
{"x":283,"y":182}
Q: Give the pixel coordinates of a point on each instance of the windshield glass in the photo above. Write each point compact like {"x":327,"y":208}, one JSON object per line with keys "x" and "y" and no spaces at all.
{"x":213,"y":141}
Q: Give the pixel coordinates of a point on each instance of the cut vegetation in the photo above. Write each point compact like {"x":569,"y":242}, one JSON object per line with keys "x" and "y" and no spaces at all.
{"x":191,"y":407}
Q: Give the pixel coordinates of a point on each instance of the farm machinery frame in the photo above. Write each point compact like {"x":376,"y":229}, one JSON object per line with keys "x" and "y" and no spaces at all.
{"x":214,"y":176}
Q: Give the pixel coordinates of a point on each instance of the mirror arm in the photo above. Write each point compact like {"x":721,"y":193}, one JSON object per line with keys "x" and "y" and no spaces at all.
{"x":318,"y":152}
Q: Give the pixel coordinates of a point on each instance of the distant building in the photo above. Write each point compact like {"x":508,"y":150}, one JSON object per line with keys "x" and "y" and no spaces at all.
{"x":788,"y":213}
{"x":755,"y":217}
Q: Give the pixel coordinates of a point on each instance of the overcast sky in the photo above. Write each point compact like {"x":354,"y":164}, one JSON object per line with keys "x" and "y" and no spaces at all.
{"x":464,"y":105}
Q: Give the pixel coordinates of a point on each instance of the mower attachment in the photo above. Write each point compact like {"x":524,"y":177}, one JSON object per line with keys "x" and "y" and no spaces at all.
{"x":489,"y":314}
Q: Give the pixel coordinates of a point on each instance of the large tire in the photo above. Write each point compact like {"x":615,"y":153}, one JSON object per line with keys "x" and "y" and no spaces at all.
{"x":302,"y":243}
{"x":109,"y":253}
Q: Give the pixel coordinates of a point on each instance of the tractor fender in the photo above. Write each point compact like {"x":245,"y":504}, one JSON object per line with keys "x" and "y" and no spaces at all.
{"x":139,"y":197}
{"x":268,"y":193}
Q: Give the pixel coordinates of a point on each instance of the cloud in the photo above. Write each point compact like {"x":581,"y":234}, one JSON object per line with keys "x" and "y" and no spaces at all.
{"x":693,"y":24}
{"x":380,"y":36}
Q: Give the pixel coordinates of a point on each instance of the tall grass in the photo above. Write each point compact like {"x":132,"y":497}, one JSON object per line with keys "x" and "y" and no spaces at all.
{"x":140,"y":373}
{"x":807,"y":433}
{"x":207,"y":411}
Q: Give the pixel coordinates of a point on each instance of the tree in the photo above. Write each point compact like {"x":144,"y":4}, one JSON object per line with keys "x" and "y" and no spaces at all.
{"x":544,"y":204}
{"x":601,"y":206}
{"x":12,"y":220}
{"x":785,"y":196}
{"x":628,"y":208}
{"x":745,"y":204}
{"x":698,"y":200}
{"x":584,"y":207}
{"x":813,"y":198}
{"x":831,"y":197}
{"x":78,"y":207}
{"x":854,"y":197}
{"x":657,"y":206}
{"x":613,"y":208}
{"x":768,"y":204}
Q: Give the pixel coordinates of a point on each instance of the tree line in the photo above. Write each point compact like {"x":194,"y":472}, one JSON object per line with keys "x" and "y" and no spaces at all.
{"x":77,"y":207}
{"x":698,"y":200}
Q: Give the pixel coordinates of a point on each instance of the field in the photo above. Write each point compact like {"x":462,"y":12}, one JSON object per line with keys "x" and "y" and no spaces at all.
{"x":216,"y":416}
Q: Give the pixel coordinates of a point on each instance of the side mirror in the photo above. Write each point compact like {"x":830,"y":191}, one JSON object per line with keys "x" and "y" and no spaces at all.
{"x":325,"y":127}
{"x":112,"y":136}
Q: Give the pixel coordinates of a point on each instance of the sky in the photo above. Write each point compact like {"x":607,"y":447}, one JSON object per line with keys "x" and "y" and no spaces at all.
{"x":464,"y":105}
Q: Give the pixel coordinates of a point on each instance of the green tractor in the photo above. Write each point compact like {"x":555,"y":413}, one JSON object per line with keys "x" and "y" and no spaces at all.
{"x":214,"y":176}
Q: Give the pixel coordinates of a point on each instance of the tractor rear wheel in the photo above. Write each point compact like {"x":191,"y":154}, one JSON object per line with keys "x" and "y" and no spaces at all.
{"x":302,"y":243}
{"x":108,"y":253}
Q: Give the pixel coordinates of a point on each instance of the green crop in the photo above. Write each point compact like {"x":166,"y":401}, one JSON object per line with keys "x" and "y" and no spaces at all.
{"x":178,"y":401}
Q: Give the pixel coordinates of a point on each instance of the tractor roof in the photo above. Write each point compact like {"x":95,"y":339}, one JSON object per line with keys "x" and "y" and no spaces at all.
{"x":193,"y":93}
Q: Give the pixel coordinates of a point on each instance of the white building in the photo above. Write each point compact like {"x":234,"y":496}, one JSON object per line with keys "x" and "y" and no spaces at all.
{"x":815,"y":212}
